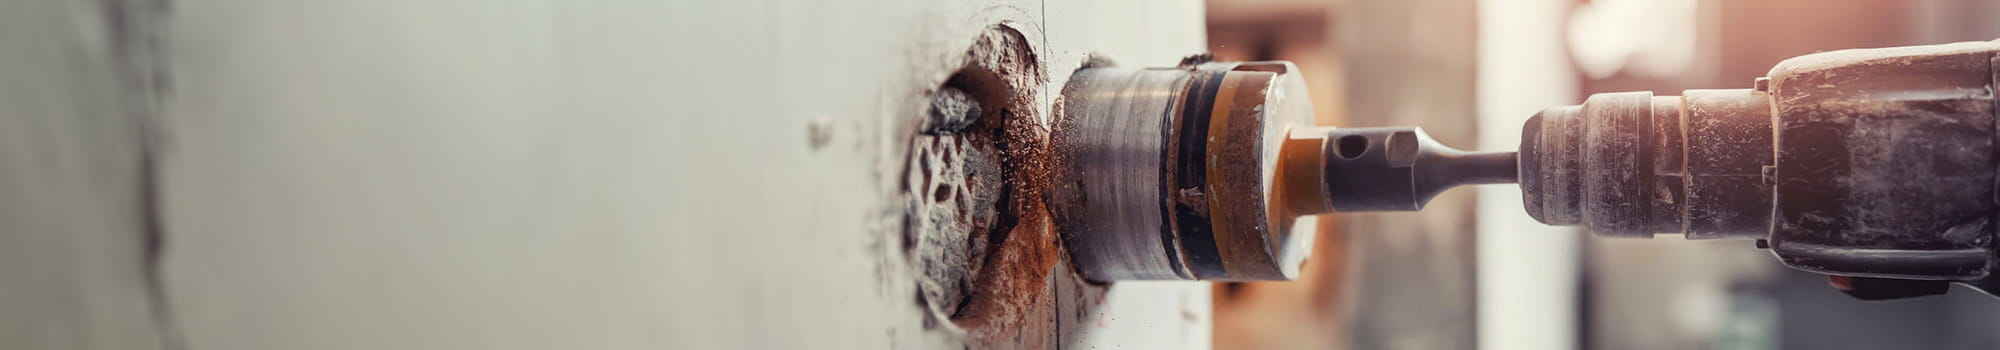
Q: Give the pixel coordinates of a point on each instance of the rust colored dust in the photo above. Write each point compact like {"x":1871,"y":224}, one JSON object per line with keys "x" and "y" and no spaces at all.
{"x":979,"y":229}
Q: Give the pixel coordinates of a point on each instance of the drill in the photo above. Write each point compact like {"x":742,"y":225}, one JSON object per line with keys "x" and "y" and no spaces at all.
{"x":1873,"y":166}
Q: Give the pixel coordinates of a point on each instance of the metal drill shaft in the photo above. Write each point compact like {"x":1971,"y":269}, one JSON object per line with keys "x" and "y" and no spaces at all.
{"x":1401,"y":168}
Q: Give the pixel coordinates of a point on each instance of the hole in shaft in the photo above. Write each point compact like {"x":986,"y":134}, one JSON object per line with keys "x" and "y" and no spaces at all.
{"x":1351,"y":146}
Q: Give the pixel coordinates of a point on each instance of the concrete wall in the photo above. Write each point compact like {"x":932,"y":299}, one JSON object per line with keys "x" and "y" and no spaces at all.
{"x":382,"y":174}
{"x":75,"y":267}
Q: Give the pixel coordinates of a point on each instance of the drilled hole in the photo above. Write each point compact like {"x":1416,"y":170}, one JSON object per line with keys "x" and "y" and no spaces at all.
{"x":974,"y":225}
{"x":1351,"y":146}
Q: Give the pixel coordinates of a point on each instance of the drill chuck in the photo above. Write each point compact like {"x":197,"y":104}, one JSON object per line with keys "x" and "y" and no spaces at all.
{"x":1875,"y":163}
{"x":1633,"y":164}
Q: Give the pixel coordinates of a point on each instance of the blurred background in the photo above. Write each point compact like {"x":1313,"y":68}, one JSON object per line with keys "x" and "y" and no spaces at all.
{"x":390,"y":174}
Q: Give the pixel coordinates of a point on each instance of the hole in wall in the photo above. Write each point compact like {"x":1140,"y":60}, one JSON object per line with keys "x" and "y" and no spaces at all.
{"x":976,"y":228}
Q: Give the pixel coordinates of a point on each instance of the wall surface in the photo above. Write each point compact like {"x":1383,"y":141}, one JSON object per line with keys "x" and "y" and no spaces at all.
{"x":75,"y":267}
{"x":523,"y":174}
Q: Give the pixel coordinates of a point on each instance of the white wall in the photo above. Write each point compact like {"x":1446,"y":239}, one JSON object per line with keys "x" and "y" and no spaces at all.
{"x":523,"y":174}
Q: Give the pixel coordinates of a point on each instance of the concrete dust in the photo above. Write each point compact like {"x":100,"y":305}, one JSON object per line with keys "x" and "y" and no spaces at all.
{"x":977,"y":222}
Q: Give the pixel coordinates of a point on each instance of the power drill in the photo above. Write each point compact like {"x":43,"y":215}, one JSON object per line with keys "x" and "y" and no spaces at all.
{"x":1873,"y":166}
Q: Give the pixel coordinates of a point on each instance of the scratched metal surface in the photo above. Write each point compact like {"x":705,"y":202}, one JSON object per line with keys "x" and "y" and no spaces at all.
{"x":380,"y":174}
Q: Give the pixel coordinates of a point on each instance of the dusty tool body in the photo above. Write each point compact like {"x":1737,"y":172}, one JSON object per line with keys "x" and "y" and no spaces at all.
{"x":1877,"y":165}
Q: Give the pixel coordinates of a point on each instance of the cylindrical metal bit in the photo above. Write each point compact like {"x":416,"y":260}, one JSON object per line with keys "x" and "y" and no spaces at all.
{"x":1111,"y":190}
{"x":1171,"y":173}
